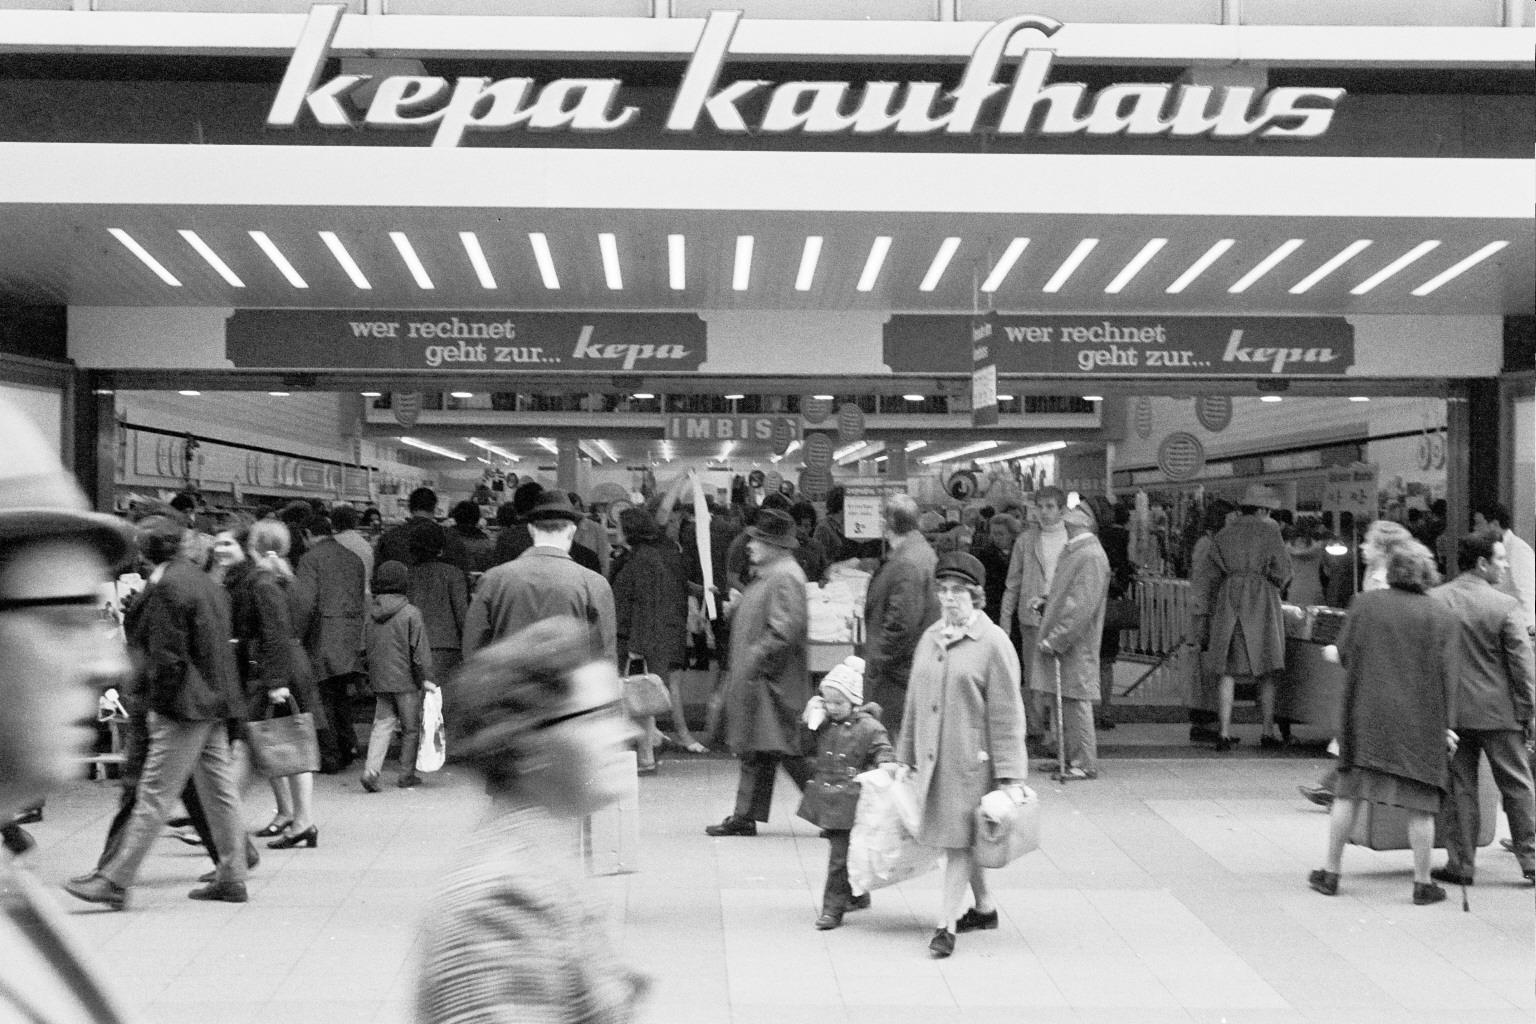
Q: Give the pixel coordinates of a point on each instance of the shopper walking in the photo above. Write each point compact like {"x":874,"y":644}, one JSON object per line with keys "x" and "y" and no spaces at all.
{"x":328,"y":617}
{"x":439,"y":590}
{"x":511,"y":933}
{"x":1493,"y":708}
{"x":1115,"y":539}
{"x":1066,"y":653}
{"x":181,"y":631}
{"x":1247,"y":630}
{"x":769,"y":683}
{"x":1030,"y":569}
{"x":1398,"y":648}
{"x":399,"y":661}
{"x":898,"y":607}
{"x":963,"y":735}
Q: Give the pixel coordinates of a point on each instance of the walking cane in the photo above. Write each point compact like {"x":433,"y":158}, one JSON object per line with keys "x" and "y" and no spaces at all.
{"x":1061,"y":731}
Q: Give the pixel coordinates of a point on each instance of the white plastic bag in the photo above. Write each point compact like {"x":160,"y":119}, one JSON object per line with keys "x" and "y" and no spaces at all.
{"x":434,"y":740}
{"x":882,"y":850}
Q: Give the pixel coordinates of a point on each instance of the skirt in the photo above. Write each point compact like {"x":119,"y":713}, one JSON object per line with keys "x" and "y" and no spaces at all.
{"x":1237,"y":663}
{"x":1385,"y":788}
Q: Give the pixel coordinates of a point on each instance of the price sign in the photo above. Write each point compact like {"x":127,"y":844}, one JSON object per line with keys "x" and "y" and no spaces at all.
{"x":1352,"y":489}
{"x":862,"y":503}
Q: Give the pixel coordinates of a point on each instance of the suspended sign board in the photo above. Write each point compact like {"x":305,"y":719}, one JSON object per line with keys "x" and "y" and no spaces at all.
{"x":862,"y":501}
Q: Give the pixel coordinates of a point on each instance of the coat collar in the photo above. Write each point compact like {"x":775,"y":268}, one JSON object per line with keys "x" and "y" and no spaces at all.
{"x":978,"y":624}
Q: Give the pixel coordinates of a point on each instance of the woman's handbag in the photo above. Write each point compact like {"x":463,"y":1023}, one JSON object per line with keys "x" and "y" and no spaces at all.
{"x":434,"y":744}
{"x":645,"y":695}
{"x":284,"y":746}
{"x":1001,"y":840}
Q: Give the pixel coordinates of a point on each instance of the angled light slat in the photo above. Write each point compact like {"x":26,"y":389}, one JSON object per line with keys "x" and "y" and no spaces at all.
{"x":545,"y":260}
{"x":940,"y":264}
{"x":1069,"y":266}
{"x":471,"y":243}
{"x":677,"y":262}
{"x":810,"y":256}
{"x":1004,"y":264}
{"x":1131,"y":269}
{"x":144,"y":257}
{"x":1200,"y":265}
{"x":412,"y":261}
{"x":608,"y":246}
{"x":874,"y":263}
{"x":345,"y":260}
{"x":1343,"y":256}
{"x":1265,"y":265}
{"x":278,"y":259}
{"x":211,"y":258}
{"x":741,"y":274}
{"x":1391,"y":269}
{"x":1457,"y":269}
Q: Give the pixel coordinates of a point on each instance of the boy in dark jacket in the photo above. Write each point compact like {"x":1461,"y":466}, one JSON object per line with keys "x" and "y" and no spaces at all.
{"x":849,"y":740}
{"x":399,"y":660}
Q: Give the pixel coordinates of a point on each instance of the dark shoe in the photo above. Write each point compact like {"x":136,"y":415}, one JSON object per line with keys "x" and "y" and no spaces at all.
{"x":1076,"y":774}
{"x":1226,"y":743}
{"x":275,"y":827}
{"x":252,"y":857}
{"x":30,"y":816}
{"x":209,"y":876}
{"x":1319,"y":795}
{"x":1530,"y":875}
{"x":826,"y":922}
{"x":310,"y":837}
{"x":971,"y":921}
{"x":223,"y":892}
{"x":732,"y":826}
{"x":1425,"y":894}
{"x":1508,"y":844}
{"x":409,"y":780}
{"x":1200,"y":734}
{"x":1272,"y":743}
{"x":16,"y":839}
{"x":646,"y":769}
{"x":942,"y":944}
{"x":1104,"y":724}
{"x":859,"y":902}
{"x":98,"y":889}
{"x":370,"y":782}
{"x":1325,"y":882}
{"x":1450,"y":877}
{"x":187,"y":836}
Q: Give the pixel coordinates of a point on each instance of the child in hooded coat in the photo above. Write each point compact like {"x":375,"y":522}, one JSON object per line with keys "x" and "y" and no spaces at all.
{"x":399,"y":662}
{"x":849,"y":740}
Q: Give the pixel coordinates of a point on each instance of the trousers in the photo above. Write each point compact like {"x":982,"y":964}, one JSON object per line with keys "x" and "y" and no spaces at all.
{"x":179,"y":751}
{"x":835,"y":897}
{"x":391,"y":710}
{"x":1460,"y":819}
{"x":1077,"y":729}
{"x":754,"y":788}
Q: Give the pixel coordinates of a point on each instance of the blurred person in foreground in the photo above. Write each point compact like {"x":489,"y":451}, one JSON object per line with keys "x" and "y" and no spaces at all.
{"x":1399,"y":655}
{"x":53,"y":556}
{"x":510,"y":934}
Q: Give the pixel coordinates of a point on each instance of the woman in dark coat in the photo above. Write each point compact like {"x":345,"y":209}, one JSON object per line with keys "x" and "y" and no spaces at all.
{"x":650,"y":599}
{"x":1400,"y":676}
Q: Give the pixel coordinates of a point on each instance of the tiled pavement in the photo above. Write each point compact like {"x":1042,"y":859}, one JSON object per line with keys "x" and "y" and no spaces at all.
{"x":1167,"y":891}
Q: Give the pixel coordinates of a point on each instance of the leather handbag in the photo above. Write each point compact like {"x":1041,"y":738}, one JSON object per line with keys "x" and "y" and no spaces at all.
{"x":284,"y":746}
{"x":645,"y":694}
{"x":1000,"y":842}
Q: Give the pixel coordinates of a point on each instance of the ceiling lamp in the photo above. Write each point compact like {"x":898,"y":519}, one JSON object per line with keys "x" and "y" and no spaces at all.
{"x":461,"y":394}
{"x":607,"y":449}
{"x":1344,"y":256}
{"x":1396,"y":265}
{"x":434,"y":449}
{"x":1093,"y":398}
{"x":809,"y":257}
{"x":278,"y":259}
{"x":211,"y":258}
{"x":280,"y":394}
{"x":371,"y":394}
{"x":547,"y":444}
{"x":913,"y":446}
{"x":1267,"y":264}
{"x":1457,"y":269}
{"x":1200,"y":265}
{"x":344,"y":258}
{"x":970,"y":449}
{"x":477,"y":258}
{"x":642,"y":396}
{"x":858,"y":452}
{"x":1023,"y":453}
{"x":494,"y":449}
{"x":144,"y":256}
{"x":1010,"y":256}
{"x":1271,"y":398}
{"x":544,"y":259}
{"x":189,"y":393}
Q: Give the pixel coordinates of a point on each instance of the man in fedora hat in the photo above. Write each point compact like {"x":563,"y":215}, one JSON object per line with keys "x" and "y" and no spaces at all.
{"x":770,"y":681}
{"x":1250,"y":567}
{"x":543,"y":582}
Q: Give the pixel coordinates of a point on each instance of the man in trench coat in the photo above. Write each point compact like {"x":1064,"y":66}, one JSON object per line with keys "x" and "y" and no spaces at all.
{"x":770,"y":682}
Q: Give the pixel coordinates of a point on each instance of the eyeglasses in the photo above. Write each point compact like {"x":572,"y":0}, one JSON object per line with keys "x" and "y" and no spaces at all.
{"x":612,"y":707}
{"x":10,"y":604}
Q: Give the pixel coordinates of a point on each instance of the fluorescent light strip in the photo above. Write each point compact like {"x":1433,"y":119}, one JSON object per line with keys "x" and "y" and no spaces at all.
{"x":1457,"y":269}
{"x":1067,"y":269}
{"x":412,"y":262}
{"x":913,"y":446}
{"x":280,"y":394}
{"x":914,"y":398}
{"x":542,"y":257}
{"x":1359,"y":398}
{"x":1200,"y":265}
{"x":477,"y":258}
{"x":212,"y":258}
{"x":1010,"y":256}
{"x":970,"y":449}
{"x":608,"y":245}
{"x":1344,"y":256}
{"x":278,"y":259}
{"x":1392,"y":268}
{"x":1133,"y":268}
{"x":858,"y":452}
{"x":1271,"y":398}
{"x":1267,"y":264}
{"x":741,"y":279}
{"x":144,"y":256}
{"x":493,"y":449}
{"x":940,"y":264}
{"x":1023,"y":453}
{"x":809,"y":257}
{"x":434,"y":449}
{"x":872,"y":265}
{"x":547,"y":444}
{"x":677,"y":262}
{"x":607,"y":449}
{"x":344,"y":258}
{"x":461,"y":394}
{"x":590,"y":450}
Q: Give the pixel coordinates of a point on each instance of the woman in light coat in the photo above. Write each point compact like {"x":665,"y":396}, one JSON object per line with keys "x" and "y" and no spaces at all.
{"x":963,"y":736}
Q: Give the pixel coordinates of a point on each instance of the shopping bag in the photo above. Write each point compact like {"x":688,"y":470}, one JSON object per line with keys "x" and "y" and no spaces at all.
{"x":284,"y":746}
{"x":434,"y":742}
{"x":1004,"y":839}
{"x":882,"y":850}
{"x":645,"y":694}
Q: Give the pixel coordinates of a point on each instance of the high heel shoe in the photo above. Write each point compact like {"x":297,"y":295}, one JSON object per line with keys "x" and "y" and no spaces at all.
{"x":310,"y":837}
{"x":276,"y":827}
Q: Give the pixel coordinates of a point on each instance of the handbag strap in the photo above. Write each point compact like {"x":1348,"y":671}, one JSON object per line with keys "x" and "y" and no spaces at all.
{"x":293,"y":706}
{"x":630,"y":664}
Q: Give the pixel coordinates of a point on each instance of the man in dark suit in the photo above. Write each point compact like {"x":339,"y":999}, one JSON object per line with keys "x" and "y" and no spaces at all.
{"x":180,"y":630}
{"x":328,"y":617}
{"x":395,"y":544}
{"x":1492,"y":708}
{"x":899,"y":606}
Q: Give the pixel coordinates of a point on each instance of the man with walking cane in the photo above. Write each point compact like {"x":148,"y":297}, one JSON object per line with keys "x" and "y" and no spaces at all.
{"x":1066,"y":655}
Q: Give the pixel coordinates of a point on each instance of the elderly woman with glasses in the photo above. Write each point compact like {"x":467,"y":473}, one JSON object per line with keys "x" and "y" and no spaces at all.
{"x":963,"y":736}
{"x":510,"y":934}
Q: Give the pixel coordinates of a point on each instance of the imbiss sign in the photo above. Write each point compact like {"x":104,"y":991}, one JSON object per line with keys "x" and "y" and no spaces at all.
{"x":980,"y":103}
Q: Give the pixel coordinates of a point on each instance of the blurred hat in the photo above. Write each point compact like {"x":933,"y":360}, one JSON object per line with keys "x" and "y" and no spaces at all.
{"x":847,"y":678}
{"x":1260,"y":496}
{"x":40,"y":499}
{"x":552,"y":505}
{"x":930,"y":522}
{"x":774,"y":527}
{"x":1081,"y":515}
{"x":963,"y":565}
{"x":391,"y":578}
